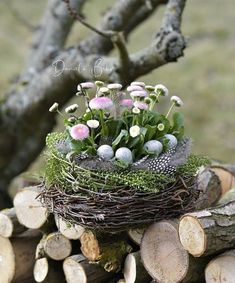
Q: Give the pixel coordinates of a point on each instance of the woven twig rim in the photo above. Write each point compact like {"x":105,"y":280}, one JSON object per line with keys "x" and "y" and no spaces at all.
{"x":120,"y":209}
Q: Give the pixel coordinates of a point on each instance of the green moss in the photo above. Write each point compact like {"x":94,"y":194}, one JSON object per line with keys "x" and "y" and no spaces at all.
{"x":192,"y":165}
{"x":55,"y":163}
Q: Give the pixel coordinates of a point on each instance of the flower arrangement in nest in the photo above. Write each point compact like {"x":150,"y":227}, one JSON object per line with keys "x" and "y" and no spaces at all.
{"x":121,"y":164}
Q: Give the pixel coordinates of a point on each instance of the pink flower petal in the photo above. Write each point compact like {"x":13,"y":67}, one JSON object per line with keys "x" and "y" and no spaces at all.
{"x":79,"y":132}
{"x":101,"y":103}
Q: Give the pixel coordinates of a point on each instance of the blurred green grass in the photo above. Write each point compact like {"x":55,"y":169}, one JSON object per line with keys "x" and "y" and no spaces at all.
{"x":204,"y":77}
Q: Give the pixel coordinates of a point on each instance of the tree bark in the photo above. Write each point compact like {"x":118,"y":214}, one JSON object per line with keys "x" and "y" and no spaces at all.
{"x":77,"y":269}
{"x":209,"y":231}
{"x":221,"y":268}
{"x":136,"y":235}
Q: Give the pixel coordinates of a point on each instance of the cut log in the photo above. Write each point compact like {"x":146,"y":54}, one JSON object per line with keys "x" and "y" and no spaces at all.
{"x":55,"y":246}
{"x":17,"y":257}
{"x":77,"y":269}
{"x":227,"y":197}
{"x":227,"y":178}
{"x":210,"y":187}
{"x":29,"y":209}
{"x":134,"y":271}
{"x":164,"y":257}
{"x":107,"y":250}
{"x":209,"y":231}
{"x":136,"y":235}
{"x":9,"y":224}
{"x":162,"y":254}
{"x":70,"y":231}
{"x":46,"y":271}
{"x":221,"y":269}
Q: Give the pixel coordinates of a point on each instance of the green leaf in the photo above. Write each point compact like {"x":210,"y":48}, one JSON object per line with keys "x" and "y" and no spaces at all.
{"x":151,"y":132}
{"x":178,"y":125}
{"x":114,"y":127}
{"x":77,"y":146}
{"x":123,"y":134}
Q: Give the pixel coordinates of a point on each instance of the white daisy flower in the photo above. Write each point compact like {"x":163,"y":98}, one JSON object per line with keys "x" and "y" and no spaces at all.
{"x":162,"y":90}
{"x":71,"y":109}
{"x":54,"y":107}
{"x":136,"y":110}
{"x":134,"y":131}
{"x":93,"y":124}
{"x":177,"y":100}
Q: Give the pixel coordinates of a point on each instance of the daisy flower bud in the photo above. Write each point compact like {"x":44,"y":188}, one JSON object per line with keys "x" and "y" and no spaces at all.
{"x":136,"y":110}
{"x":147,"y":100}
{"x":104,"y":90}
{"x":161,"y":90}
{"x":99,"y":83}
{"x":138,"y":83}
{"x":160,"y":127}
{"x":86,"y":85}
{"x":138,"y":93}
{"x":134,"y":131}
{"x":54,"y":107}
{"x":141,"y":105}
{"x":126,"y":103}
{"x":134,"y":87}
{"x":93,"y":124}
{"x":149,"y":87}
{"x":71,"y":109}
{"x":114,"y":86}
{"x":177,"y":100}
{"x":72,"y":119}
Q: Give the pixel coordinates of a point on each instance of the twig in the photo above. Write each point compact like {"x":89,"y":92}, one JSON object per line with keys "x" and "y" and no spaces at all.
{"x":116,"y":38}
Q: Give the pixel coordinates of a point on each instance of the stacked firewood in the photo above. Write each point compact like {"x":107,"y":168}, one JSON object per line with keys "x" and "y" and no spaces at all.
{"x":198,"y":247}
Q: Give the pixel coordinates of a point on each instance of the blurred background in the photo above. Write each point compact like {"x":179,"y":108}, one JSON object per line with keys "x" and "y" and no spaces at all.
{"x":204,"y":77}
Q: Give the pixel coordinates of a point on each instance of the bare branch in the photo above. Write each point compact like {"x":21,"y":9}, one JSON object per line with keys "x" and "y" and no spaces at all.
{"x":52,"y":34}
{"x":168,"y":44}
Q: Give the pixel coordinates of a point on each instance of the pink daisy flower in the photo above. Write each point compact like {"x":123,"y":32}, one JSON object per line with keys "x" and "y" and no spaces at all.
{"x":79,"y":132}
{"x":101,"y":103}
{"x":126,"y":103}
{"x":134,"y":87}
{"x":138,"y":93}
{"x":141,"y":105}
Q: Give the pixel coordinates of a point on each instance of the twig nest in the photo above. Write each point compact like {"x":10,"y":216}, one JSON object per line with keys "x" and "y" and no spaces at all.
{"x":105,"y":151}
{"x":153,"y":147}
{"x":124,"y":154}
{"x":172,"y":141}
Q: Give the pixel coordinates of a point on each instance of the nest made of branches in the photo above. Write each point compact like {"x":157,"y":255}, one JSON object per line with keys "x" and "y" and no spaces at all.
{"x":94,"y":194}
{"x":120,"y":207}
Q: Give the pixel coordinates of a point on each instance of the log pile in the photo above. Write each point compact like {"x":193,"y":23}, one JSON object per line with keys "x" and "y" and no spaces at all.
{"x":198,"y":247}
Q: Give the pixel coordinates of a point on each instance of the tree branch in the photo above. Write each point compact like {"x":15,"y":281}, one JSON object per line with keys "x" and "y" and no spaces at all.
{"x":168,"y":44}
{"x":52,"y":34}
{"x":24,"y":117}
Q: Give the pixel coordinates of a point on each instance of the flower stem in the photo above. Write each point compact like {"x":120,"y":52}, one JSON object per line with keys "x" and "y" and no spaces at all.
{"x":169,"y":111}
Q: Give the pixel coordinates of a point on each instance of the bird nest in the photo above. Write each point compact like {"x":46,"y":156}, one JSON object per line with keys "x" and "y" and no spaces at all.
{"x":112,"y":201}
